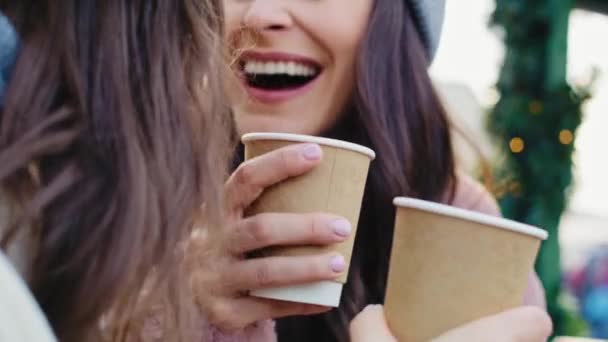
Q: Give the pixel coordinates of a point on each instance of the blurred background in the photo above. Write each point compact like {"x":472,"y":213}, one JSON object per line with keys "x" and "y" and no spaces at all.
{"x":526,"y":83}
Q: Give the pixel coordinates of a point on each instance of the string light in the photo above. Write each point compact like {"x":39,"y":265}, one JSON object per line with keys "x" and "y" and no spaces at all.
{"x":517,"y":145}
{"x":535,"y":107}
{"x":566,"y":137}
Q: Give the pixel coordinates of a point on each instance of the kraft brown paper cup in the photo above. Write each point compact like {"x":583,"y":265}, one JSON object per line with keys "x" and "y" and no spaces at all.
{"x":335,"y":186}
{"x":451,"y":266}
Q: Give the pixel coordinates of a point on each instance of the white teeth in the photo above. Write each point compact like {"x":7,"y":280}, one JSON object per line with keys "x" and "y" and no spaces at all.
{"x":269,"y":68}
{"x":249,"y":68}
{"x":259,"y":66}
{"x":282,"y":68}
{"x":273,"y":68}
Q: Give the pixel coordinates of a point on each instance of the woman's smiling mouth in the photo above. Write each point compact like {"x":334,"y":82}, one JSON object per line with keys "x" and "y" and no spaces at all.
{"x":272,"y":77}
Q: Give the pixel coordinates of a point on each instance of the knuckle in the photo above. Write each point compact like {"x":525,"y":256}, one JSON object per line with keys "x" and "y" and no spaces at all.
{"x":219,"y":314}
{"x":244,"y":174}
{"x":257,"y":229}
{"x":263,"y":275}
{"x":222,"y":316}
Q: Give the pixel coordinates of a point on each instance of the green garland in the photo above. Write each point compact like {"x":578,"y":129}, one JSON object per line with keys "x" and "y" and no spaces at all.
{"x":535,"y":122}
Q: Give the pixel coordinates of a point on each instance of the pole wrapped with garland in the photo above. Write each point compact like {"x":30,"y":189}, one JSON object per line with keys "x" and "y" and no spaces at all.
{"x":535,"y":122}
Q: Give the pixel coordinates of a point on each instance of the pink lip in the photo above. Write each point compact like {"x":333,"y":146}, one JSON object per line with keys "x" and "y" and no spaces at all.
{"x":274,"y":96}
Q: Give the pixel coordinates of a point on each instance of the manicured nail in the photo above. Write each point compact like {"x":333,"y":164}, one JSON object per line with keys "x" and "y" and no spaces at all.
{"x":312,"y":152}
{"x":337,"y":264}
{"x":341,"y":228}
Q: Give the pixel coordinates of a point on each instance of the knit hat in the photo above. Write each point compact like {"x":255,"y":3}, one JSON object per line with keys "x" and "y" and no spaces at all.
{"x":428,"y":15}
{"x":9,"y":43}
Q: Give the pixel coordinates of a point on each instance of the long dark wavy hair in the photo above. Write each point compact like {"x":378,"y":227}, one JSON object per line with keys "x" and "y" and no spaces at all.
{"x":395,"y":111}
{"x":110,"y":141}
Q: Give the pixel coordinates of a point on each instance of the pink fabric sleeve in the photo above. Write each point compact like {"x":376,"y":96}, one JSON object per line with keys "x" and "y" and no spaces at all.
{"x":258,"y":332}
{"x":471,"y":195}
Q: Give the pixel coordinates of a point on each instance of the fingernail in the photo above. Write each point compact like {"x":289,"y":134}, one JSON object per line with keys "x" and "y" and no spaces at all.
{"x":341,"y":227}
{"x":312,"y":152}
{"x":338,"y":264}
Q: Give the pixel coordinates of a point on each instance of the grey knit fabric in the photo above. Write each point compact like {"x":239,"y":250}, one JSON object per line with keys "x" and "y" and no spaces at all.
{"x":429,"y":18}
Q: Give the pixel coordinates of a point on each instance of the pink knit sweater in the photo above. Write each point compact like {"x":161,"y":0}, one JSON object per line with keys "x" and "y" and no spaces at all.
{"x":469,"y":195}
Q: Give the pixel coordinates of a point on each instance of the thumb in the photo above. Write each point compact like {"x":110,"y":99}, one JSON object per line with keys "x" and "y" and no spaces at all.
{"x":370,"y":326}
{"x":525,"y":324}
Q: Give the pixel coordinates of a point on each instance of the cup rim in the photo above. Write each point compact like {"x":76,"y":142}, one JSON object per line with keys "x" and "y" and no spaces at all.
{"x":494,"y":221}
{"x":301,"y":138}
